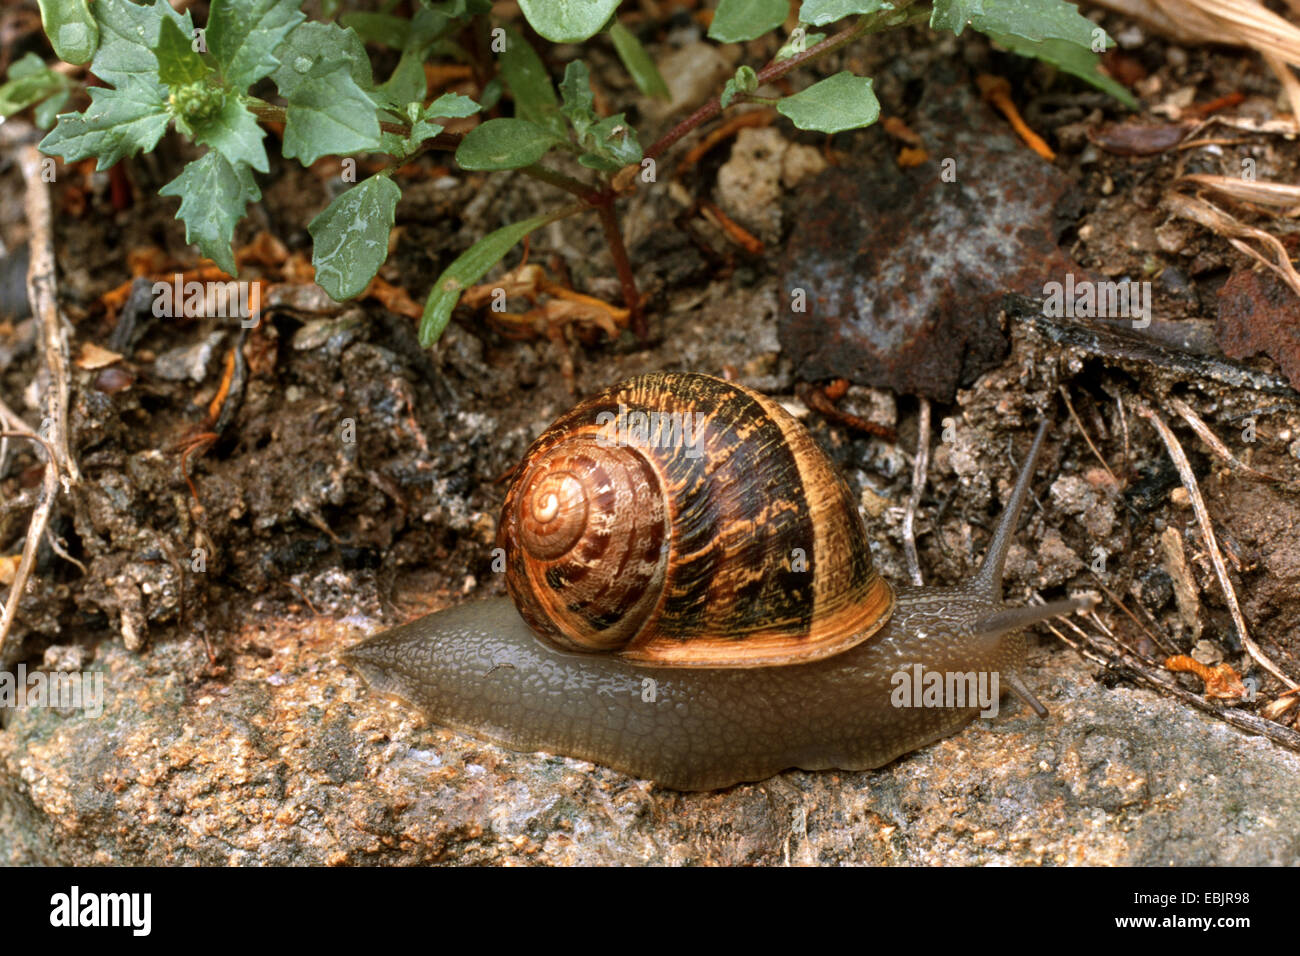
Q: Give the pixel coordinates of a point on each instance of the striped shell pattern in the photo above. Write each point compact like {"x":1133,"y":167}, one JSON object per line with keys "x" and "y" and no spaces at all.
{"x":683,"y":521}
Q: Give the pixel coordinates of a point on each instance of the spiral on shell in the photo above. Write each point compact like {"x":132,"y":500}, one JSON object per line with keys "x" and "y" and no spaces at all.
{"x":681,"y":520}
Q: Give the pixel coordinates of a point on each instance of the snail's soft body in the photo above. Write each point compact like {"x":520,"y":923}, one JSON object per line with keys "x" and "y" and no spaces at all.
{"x":481,"y":668}
{"x":478,"y":668}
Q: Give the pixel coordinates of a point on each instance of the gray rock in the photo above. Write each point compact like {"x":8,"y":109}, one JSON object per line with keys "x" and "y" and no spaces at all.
{"x":192,"y":362}
{"x":290,"y":761}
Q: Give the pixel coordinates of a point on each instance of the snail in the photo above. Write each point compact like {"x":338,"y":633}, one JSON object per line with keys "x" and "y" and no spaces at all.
{"x":692,"y":601}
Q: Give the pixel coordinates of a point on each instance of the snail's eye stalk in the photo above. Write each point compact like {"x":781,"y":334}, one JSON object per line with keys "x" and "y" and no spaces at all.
{"x":989,"y":576}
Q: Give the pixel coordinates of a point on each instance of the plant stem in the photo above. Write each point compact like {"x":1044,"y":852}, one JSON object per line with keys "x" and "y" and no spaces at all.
{"x":564,"y":212}
{"x":602,"y":201}
{"x":588,"y":194}
{"x":871,"y":23}
{"x":269,"y":113}
{"x":614,"y":236}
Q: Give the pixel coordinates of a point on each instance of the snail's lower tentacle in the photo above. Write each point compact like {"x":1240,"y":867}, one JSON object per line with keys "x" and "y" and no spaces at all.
{"x":1025,"y":695}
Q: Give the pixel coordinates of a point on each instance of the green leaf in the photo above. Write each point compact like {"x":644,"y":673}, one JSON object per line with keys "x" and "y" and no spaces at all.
{"x":350,"y":236}
{"x":46,"y":113}
{"x":567,"y":21}
{"x":837,"y":103}
{"x":382,"y":28}
{"x":529,"y":84}
{"x":178,"y":64}
{"x":463,"y":9}
{"x":325,"y":76}
{"x":71,"y":29}
{"x":738,"y":20}
{"x":1037,"y":20}
{"x":315,"y":50}
{"x":577,"y":102}
{"x":234,"y":133}
{"x":128,"y":32}
{"x":745,"y":81}
{"x":954,"y":14}
{"x":395,"y":145}
{"x":213,"y":196}
{"x":504,"y":144}
{"x":29,"y":64}
{"x":452,"y":106}
{"x":468,"y":268}
{"x":426,"y":26}
{"x":818,"y":13}
{"x":613,"y":144}
{"x":243,"y":34}
{"x":330,"y":116}
{"x":407,"y":82}
{"x":1070,"y":58}
{"x":491,"y":93}
{"x":117,"y":123}
{"x":30,"y":81}
{"x":636,"y":60}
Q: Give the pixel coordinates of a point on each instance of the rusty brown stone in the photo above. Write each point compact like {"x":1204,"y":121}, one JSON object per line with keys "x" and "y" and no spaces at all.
{"x":903,"y":272}
{"x":1259,"y":313}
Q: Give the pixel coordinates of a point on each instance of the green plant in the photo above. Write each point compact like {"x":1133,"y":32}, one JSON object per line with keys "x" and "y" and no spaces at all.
{"x":72,"y":30}
{"x":31,"y":82}
{"x":162,"y":71}
{"x":165,"y":72}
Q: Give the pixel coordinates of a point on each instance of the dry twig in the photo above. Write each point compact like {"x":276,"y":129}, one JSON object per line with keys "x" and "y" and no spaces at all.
{"x":1154,"y":636}
{"x":1211,"y":543}
{"x":12,"y":422}
{"x":1065,"y":394}
{"x":1236,"y":232}
{"x":920,"y":469}
{"x":1123,"y":425}
{"x":1280,"y":195}
{"x":54,"y":347}
{"x":1114,"y":657}
{"x":1198,"y":425}
{"x":1284,"y":75}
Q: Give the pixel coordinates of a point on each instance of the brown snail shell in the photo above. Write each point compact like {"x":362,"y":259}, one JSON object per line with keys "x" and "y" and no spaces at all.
{"x":684,"y":521}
